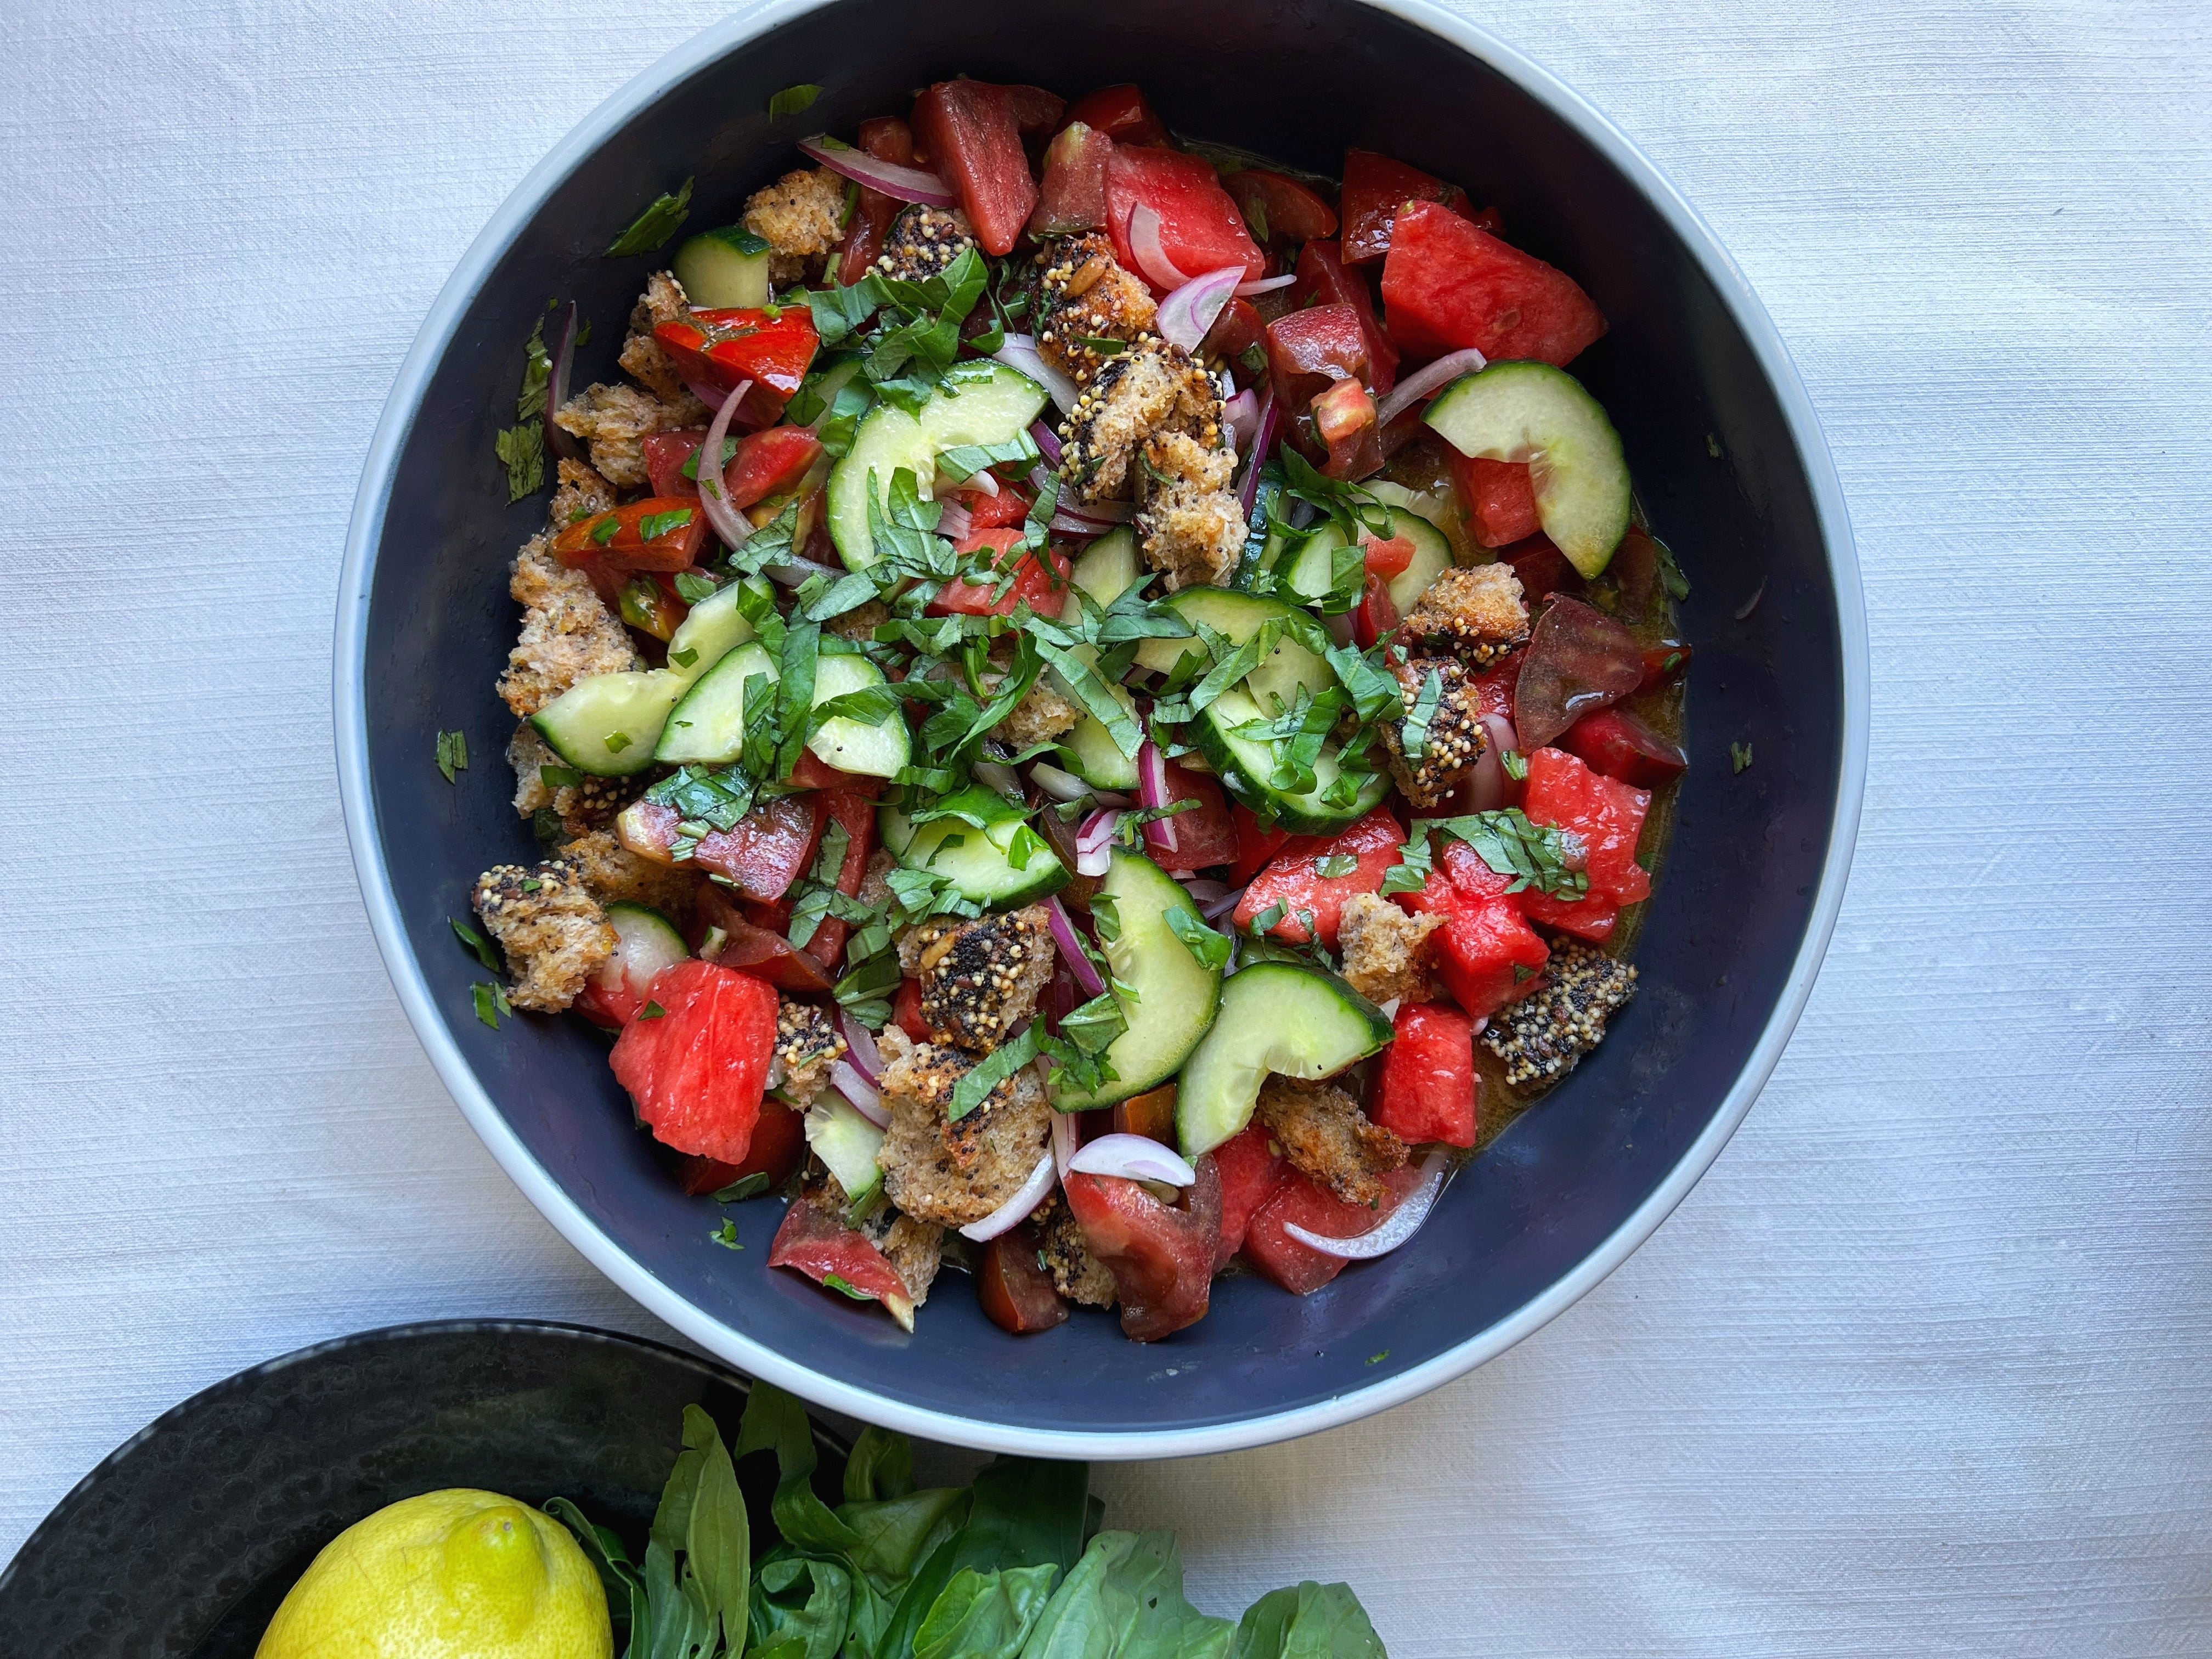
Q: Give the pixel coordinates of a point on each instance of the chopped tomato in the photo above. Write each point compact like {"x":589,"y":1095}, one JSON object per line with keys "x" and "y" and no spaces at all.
{"x":1295,"y":881}
{"x":906,"y":1011}
{"x":888,"y":139}
{"x":1009,"y":505}
{"x":1017,"y":1293}
{"x":1036,"y":112}
{"x":1428,"y":1089}
{"x":1073,"y":196}
{"x":770,"y":462}
{"x":1235,"y":331}
{"x":1275,"y":204}
{"x":1486,"y":952}
{"x":1161,"y":1258}
{"x":1542,"y":568}
{"x":1375,"y":617}
{"x":769,"y":346}
{"x":753,"y":943}
{"x":812,"y":772}
{"x":1300,"y":1269}
{"x":1256,"y":843}
{"x":1375,"y":189}
{"x":648,"y":607}
{"x":1499,"y":501}
{"x":698,"y":1068}
{"x":1200,"y":229}
{"x":1447,"y":285}
{"x":1040,"y":580}
{"x":1607,"y":816}
{"x":824,"y":1248}
{"x":1204,"y":835}
{"x":661,"y":532}
{"x":1344,"y":421}
{"x":665,"y":454}
{"x":1323,"y":280}
{"x":974,"y":140}
{"x":1310,"y":350}
{"x":1493,"y":692}
{"x":857,"y":815}
{"x":1252,"y":1168}
{"x":767,"y":849}
{"x":1662,"y":662}
{"x":1387,"y":556}
{"x":1617,"y":743}
{"x":779,"y":1145}
{"x":1150,"y":1115}
{"x":1121,"y":113}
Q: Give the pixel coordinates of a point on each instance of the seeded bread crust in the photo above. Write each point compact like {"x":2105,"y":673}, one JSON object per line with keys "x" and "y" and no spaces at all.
{"x":644,"y":358}
{"x":798,"y":217}
{"x":955,"y":1172}
{"x":1325,"y":1134}
{"x":979,"y":978}
{"x":614,"y":420}
{"x":568,"y":632}
{"x":1544,"y":1036}
{"x":553,"y":931}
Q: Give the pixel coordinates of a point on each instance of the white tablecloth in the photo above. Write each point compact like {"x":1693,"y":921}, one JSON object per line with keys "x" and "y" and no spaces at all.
{"x":1924,"y":1365}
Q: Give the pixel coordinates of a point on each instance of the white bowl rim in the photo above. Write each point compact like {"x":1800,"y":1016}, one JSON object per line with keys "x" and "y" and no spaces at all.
{"x":352,"y":732}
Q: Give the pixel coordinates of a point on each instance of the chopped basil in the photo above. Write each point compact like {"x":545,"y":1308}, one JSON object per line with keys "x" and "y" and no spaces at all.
{"x":1265,"y":922}
{"x":1516,"y":764}
{"x":1413,"y":737}
{"x":1328,"y":868}
{"x":537,"y":375}
{"x":684,"y":659}
{"x":559,"y":777}
{"x":839,"y":1282}
{"x":655,"y":525}
{"x":727,"y":1236}
{"x":989,"y":1073}
{"x":744,"y":1187}
{"x":608,"y":527}
{"x":652,"y":1010}
{"x":452,"y":753}
{"x":521,"y":450}
{"x":1208,"y":949}
{"x":1533,"y":854}
{"x":584,"y":334}
{"x":616,"y":742}
{"x":693,"y":588}
{"x":1740,"y":757}
{"x":652,"y":228}
{"x":491,"y":1002}
{"x":482,"y":948}
{"x":1377,"y":1359}
{"x":1104,"y":344}
{"x":793,"y":101}
{"x":1670,"y":572}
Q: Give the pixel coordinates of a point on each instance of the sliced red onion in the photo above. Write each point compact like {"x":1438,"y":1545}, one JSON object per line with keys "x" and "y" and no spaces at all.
{"x":999,"y":777}
{"x":1071,"y":948}
{"x":1019,"y":351}
{"x":1486,"y":783}
{"x":955,"y":521}
{"x":860,"y":1044}
{"x":1263,"y":440}
{"x":1094,"y":843}
{"x":848,"y":1082}
{"x":729,"y":524}
{"x":1019,"y":1208}
{"x":1105,"y":515}
{"x":1339,"y":626}
{"x":903,"y":184}
{"x":1214,"y":909}
{"x":1389,"y":1010}
{"x":1265,"y":285}
{"x":1185,"y":315}
{"x":564,"y":443}
{"x":1152,"y":256}
{"x":975,"y":484}
{"x":1401,"y":1224}
{"x":1066,"y":1136}
{"x":1060,"y":786}
{"x":1743,"y":611}
{"x":1132,"y":1157}
{"x":1064,"y":524}
{"x":1241,"y":414}
{"x":1048,"y":442}
{"x":1418,"y":386}
{"x":1203,"y":889}
{"x":796,"y":573}
{"x":1152,"y":790}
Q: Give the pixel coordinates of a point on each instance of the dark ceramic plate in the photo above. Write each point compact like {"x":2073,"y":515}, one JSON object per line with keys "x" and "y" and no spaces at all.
{"x":185,"y":1538}
{"x":1729,"y":462}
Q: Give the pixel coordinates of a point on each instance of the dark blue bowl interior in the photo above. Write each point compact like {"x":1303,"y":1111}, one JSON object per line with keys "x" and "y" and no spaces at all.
{"x":1300,"y":82}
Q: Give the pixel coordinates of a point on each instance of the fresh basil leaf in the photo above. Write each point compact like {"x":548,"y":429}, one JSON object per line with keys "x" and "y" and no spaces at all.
{"x":1414,"y":735}
{"x":1533,"y":854}
{"x":1739,"y":758}
{"x":801,"y":1608}
{"x":1208,"y":949}
{"x":774,"y":1421}
{"x":744,"y":1187}
{"x":989,"y":1073}
{"x":521,"y":451}
{"x":1024,"y":1512}
{"x":656,"y":525}
{"x":491,"y":1002}
{"x":793,"y":101}
{"x":718,"y":1541}
{"x":484,"y":950}
{"x":1332,"y":866}
{"x":985,"y":1615}
{"x":896,"y":1533}
{"x":1125,"y":1598}
{"x":880,"y":1465}
{"x":1307,"y":1621}
{"x":626,"y":1601}
{"x":537,"y":375}
{"x":652,"y":228}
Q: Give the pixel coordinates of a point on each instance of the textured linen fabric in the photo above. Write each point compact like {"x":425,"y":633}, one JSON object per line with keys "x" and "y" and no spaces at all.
{"x":1924,"y":1365}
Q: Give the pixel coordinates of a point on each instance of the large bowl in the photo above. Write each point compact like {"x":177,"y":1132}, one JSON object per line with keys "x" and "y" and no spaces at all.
{"x":1727,"y":457}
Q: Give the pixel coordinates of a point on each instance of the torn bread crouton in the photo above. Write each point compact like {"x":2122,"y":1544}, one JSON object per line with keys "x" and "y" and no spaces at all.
{"x":1324,"y":1134}
{"x":1151,"y":388}
{"x":912,"y":1247}
{"x":614,"y":874}
{"x":1085,"y":297}
{"x":800,"y":217}
{"x":1386,"y":949}
{"x":1451,"y":740}
{"x":955,"y":1171}
{"x":1473,"y":613}
{"x":923,"y":242}
{"x":1544,"y":1036}
{"x":553,"y":931}
{"x":979,"y":978}
{"x":580,"y":494}
{"x":644,"y":359}
{"x":806,"y":1046}
{"x":859,"y":623}
{"x":1189,"y":521}
{"x":568,"y":632}
{"x":1042,"y":714}
{"x":614,"y":420}
{"x":1065,"y":1254}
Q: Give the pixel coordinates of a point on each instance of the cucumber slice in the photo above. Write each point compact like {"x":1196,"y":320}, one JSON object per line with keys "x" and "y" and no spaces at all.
{"x":1175,"y":996}
{"x":725,"y":267}
{"x":980,"y":402}
{"x":1276,"y":681}
{"x":1109,"y":566}
{"x":709,"y":725}
{"x":713,"y":628}
{"x":851,"y":746}
{"x":610,"y":724}
{"x":979,"y":862}
{"x":1244,"y":766}
{"x":847,"y":1144}
{"x":645,"y":943}
{"x":1089,"y":751}
{"x":1533,"y":412}
{"x":1313,"y":560}
{"x":1275,"y":1017}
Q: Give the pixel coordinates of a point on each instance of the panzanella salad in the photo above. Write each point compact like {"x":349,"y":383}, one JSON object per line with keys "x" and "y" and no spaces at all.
{"x":1095,"y":706}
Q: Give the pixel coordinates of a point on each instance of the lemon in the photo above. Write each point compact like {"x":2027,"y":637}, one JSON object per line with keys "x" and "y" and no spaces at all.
{"x":458,"y":1574}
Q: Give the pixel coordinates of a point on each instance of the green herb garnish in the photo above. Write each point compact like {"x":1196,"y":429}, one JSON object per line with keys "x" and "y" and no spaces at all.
{"x":652,"y":228}
{"x":452,"y":753}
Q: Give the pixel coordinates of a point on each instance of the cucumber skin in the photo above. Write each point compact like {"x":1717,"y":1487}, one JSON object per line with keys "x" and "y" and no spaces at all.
{"x":914,"y":847}
{"x":596,"y":759}
{"x":1272,"y":803}
{"x":1202,"y":1119}
{"x":1167,"y":999}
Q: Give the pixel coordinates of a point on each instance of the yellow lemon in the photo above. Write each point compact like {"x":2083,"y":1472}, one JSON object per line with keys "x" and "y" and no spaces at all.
{"x":451,"y":1575}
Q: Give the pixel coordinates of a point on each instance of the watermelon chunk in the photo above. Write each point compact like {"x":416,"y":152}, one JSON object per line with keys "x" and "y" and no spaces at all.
{"x":1447,"y":285}
{"x":698,"y":1069}
{"x":970,"y":130}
